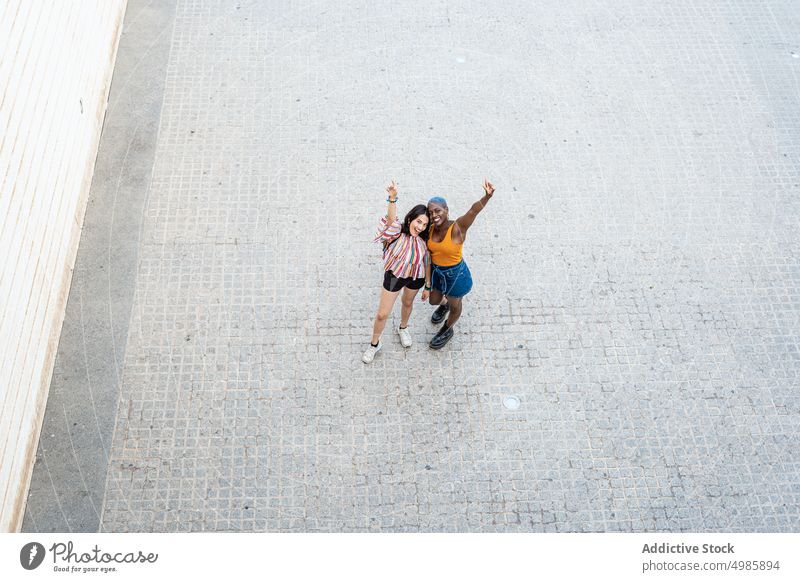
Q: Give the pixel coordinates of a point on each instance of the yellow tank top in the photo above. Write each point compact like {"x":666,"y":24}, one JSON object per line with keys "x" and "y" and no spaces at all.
{"x":445,"y":253}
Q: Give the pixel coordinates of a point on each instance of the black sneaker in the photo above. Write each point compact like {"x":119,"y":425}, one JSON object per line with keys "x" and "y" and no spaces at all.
{"x":440,"y":314}
{"x":441,"y":338}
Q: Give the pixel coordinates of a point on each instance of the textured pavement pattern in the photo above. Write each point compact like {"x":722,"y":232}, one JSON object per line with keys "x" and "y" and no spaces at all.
{"x":637,"y":280}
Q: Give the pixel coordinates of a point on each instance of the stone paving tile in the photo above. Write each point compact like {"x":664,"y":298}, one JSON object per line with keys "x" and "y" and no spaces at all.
{"x":636,"y":275}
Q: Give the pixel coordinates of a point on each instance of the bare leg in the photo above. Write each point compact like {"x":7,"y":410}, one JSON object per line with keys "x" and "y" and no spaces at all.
{"x":408,"y":305}
{"x":384,"y":310}
{"x":455,"y":310}
{"x":436,"y":298}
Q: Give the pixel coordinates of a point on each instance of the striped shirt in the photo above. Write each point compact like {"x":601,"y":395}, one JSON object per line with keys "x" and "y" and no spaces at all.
{"x":404,"y":255}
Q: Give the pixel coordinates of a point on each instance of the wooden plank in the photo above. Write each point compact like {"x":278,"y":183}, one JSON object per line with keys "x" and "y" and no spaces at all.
{"x":47,"y":156}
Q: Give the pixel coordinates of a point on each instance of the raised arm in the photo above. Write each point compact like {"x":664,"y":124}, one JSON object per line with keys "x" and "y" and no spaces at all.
{"x":466,"y":221}
{"x":391,"y":214}
{"x":388,"y":227}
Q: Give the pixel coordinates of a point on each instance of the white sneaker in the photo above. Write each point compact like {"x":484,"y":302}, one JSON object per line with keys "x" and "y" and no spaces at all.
{"x":405,"y":337}
{"x":369,"y":355}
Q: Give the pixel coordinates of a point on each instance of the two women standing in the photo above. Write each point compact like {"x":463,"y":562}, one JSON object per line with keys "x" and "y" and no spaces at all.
{"x":416,"y":256}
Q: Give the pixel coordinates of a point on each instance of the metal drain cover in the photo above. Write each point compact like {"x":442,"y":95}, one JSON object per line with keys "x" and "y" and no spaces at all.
{"x":511,"y":402}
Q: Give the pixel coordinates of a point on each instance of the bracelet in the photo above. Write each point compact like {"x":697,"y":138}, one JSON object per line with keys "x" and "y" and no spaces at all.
{"x":390,"y":201}
{"x":427,"y":288}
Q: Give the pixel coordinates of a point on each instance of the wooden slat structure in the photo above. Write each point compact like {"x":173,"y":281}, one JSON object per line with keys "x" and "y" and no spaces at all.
{"x":56,"y":62}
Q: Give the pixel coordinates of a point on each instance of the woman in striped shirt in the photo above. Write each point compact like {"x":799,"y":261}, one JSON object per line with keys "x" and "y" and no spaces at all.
{"x":405,"y":261}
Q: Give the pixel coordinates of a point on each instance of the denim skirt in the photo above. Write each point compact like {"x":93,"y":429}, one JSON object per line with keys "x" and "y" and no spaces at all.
{"x":455,"y":281}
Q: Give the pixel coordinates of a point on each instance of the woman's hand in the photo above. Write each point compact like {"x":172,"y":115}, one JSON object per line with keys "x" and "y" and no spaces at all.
{"x":391,"y":213}
{"x":425,"y":294}
{"x":488,"y":188}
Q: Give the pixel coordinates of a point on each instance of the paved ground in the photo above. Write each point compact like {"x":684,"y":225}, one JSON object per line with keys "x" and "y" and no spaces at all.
{"x":637,"y":274}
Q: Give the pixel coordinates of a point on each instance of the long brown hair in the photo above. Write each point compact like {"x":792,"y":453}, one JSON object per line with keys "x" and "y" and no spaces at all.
{"x":412,"y":215}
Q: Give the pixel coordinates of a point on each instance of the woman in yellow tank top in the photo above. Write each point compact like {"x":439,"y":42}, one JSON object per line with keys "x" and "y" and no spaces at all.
{"x":449,"y":275}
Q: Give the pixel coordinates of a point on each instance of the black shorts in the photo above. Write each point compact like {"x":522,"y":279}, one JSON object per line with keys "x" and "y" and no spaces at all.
{"x":392,"y":283}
